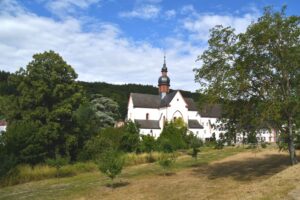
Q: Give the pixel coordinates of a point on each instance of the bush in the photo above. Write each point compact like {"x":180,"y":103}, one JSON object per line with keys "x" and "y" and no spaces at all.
{"x":192,"y":140}
{"x":7,"y":163}
{"x":195,"y":152}
{"x":58,"y":162}
{"x":263,"y":145}
{"x":166,"y":161}
{"x":111,"y":163}
{"x":131,"y":139}
{"x":173,"y":133}
{"x":148,"y":143}
{"x":219,"y":144}
{"x":121,"y":139}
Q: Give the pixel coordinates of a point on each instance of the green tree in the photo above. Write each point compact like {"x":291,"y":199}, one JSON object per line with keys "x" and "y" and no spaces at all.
{"x":108,"y":138}
{"x":106,"y":110}
{"x":172,"y":136}
{"x":220,"y":142}
{"x":46,"y":96}
{"x":111,"y":164}
{"x":260,"y":65}
{"x":131,"y":137}
{"x":148,"y":144}
{"x":166,"y":161}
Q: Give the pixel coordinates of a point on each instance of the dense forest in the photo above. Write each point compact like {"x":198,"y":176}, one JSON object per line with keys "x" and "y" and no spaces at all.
{"x":118,"y":93}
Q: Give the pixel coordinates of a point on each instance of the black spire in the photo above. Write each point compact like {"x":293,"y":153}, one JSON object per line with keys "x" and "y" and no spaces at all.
{"x":164,"y":79}
{"x":164,"y":68}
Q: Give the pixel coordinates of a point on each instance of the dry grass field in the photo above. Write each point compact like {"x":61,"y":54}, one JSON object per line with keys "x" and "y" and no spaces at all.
{"x":243,"y":176}
{"x":239,"y":175}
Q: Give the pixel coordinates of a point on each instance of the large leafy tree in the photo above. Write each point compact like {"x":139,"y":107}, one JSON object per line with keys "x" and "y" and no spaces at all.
{"x":40,"y":113}
{"x":261,"y":66}
{"x":173,"y":136}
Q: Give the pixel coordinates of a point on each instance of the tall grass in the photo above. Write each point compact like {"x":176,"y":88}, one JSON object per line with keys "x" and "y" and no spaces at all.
{"x":137,"y":159}
{"x":27,"y":173}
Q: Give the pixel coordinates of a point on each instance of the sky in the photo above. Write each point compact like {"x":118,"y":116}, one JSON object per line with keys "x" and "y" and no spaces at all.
{"x":122,"y":41}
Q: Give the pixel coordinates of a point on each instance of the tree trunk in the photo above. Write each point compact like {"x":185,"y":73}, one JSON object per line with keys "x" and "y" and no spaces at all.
{"x":291,"y":145}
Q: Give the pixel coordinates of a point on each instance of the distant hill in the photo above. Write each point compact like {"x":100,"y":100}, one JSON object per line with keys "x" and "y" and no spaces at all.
{"x":119,"y":93}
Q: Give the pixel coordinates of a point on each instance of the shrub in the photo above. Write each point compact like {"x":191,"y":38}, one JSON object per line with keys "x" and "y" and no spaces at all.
{"x":166,"y":161}
{"x":219,"y":144}
{"x":165,"y":145}
{"x":195,"y":152}
{"x":193,"y":141}
{"x":111,"y":163}
{"x":7,"y":163}
{"x":148,"y":143}
{"x":131,"y":139}
{"x":263,"y":145}
{"x":174,"y":133}
{"x":58,"y":162}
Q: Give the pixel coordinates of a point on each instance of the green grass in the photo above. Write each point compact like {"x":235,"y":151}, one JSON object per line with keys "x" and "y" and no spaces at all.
{"x":76,"y":186}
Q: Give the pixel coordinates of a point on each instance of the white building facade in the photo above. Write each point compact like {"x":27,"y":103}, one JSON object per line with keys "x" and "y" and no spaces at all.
{"x":152,"y":111}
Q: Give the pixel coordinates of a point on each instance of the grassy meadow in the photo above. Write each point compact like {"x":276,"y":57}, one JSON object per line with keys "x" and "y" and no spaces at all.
{"x":231,"y":173}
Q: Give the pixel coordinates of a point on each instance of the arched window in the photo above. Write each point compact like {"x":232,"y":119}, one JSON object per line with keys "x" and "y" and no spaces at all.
{"x":147,"y":116}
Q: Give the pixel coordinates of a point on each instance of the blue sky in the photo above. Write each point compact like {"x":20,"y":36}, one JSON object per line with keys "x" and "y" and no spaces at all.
{"x":122,"y":41}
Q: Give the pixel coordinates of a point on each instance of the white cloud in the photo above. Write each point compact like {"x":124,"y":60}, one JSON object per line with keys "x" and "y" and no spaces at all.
{"x":102,"y":55}
{"x":144,"y":12}
{"x":200,"y":24}
{"x":170,"y":14}
{"x":10,"y":7}
{"x":64,"y":7}
{"x":188,"y":9}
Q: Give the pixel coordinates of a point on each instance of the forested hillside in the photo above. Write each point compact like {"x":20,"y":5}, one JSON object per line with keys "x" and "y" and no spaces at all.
{"x":119,"y":93}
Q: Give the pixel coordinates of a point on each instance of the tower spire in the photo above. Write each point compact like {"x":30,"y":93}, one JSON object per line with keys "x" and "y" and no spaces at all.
{"x":164,"y":68}
{"x":164,"y":80}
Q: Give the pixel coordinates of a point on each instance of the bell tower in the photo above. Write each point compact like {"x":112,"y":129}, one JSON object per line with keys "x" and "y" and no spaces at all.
{"x":164,"y":80}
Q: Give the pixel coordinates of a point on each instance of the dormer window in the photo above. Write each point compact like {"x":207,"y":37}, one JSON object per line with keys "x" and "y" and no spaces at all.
{"x":147,"y":116}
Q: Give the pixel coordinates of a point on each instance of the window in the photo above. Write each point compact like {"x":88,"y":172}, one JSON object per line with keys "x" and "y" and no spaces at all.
{"x":147,"y":116}
{"x":174,"y":118}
